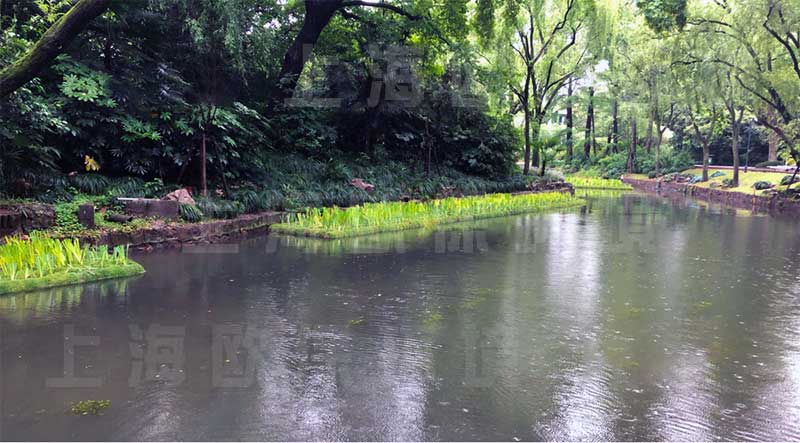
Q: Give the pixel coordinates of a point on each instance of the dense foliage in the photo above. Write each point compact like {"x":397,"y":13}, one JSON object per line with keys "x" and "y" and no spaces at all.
{"x":246,"y":98}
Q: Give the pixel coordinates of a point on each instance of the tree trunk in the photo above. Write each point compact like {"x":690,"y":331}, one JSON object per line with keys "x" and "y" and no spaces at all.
{"x":648,"y":142}
{"x":614,"y":127}
{"x":705,"y":161}
{"x":317,"y":16}
{"x":203,"y":182}
{"x":735,"y":133}
{"x":772,"y":138}
{"x":52,"y":43}
{"x":535,"y":145}
{"x":569,"y":120}
{"x":526,"y":168}
{"x":632,"y":148}
{"x":587,"y":141}
{"x":536,"y":128}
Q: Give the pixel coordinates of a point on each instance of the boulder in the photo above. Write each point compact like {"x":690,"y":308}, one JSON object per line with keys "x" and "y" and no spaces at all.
{"x":361,"y":184}
{"x":182,"y":196}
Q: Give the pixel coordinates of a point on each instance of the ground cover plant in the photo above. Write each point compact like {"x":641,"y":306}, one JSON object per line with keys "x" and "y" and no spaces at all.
{"x":42,"y":262}
{"x":371,"y":218}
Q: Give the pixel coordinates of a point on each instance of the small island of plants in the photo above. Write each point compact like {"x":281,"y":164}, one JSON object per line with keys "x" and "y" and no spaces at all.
{"x":372,"y":218}
{"x":41,"y":262}
{"x":597,"y":183}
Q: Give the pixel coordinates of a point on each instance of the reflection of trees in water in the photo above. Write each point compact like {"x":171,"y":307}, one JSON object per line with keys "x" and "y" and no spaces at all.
{"x":24,"y":306}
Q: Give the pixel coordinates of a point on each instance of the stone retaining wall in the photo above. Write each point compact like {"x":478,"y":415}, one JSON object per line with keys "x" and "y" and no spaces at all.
{"x":773,"y":204}
{"x":25,"y":217}
{"x":173,"y":234}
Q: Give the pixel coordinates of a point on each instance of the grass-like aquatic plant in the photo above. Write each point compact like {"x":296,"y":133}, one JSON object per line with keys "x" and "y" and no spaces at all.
{"x":43,"y":262}
{"x":597,"y":183}
{"x":372,"y":218}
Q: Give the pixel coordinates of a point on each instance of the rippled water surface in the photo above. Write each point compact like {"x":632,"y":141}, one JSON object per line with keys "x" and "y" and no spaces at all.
{"x":633,"y":318}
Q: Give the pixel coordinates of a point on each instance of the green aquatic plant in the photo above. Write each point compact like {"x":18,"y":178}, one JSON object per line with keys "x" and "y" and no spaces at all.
{"x":372,"y":218}
{"x":90,"y":407}
{"x":597,"y":183}
{"x":356,"y":322}
{"x":41,"y":262}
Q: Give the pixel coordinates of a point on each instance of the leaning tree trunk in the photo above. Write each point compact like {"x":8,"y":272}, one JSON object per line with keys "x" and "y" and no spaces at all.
{"x":705,"y":161}
{"x":318,"y":15}
{"x":52,"y":43}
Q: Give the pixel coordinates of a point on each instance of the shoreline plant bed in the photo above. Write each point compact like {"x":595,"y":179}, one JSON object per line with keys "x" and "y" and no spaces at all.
{"x":41,"y":262}
{"x":598,"y":183}
{"x":373,"y":218}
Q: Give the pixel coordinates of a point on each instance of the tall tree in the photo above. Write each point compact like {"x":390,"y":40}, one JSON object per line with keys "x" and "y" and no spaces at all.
{"x":546,"y":43}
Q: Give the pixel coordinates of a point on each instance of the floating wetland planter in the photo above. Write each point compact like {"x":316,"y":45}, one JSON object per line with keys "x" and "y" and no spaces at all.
{"x":373,"y":218}
{"x":41,"y":262}
{"x":598,"y":183}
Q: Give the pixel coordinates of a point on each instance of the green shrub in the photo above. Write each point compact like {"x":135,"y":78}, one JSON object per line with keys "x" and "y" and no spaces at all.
{"x":190,"y":213}
{"x":218,"y":208}
{"x":761,"y":185}
{"x":92,"y":184}
{"x":787,"y":180}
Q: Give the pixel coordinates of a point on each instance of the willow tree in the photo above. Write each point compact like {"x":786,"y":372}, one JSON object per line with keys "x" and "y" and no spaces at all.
{"x":766,"y":34}
{"x":540,"y":46}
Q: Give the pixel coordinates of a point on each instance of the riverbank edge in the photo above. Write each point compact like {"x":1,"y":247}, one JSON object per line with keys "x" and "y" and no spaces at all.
{"x":773,"y":204}
{"x":174,"y":235}
{"x":71,"y":277}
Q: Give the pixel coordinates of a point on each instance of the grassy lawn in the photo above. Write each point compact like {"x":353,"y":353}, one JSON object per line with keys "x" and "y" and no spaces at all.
{"x":746,"y":180}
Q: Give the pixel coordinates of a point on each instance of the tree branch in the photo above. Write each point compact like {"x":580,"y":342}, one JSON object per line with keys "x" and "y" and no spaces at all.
{"x":390,"y":7}
{"x":52,"y":43}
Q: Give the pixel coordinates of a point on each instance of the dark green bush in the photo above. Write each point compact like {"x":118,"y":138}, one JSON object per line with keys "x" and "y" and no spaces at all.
{"x":218,"y":208}
{"x":769,"y":163}
{"x":92,"y":184}
{"x":190,"y":213}
{"x":787,"y":180}
{"x":761,"y":185}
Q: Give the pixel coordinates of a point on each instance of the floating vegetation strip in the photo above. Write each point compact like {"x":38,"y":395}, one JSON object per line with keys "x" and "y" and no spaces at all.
{"x":41,"y":262}
{"x":597,"y":183}
{"x":397,"y":216}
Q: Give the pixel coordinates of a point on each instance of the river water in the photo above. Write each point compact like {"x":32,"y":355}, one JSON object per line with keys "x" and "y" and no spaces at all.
{"x":632,"y":318}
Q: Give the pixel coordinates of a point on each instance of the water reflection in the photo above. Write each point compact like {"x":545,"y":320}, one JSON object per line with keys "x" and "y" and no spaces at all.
{"x":633,"y":318}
